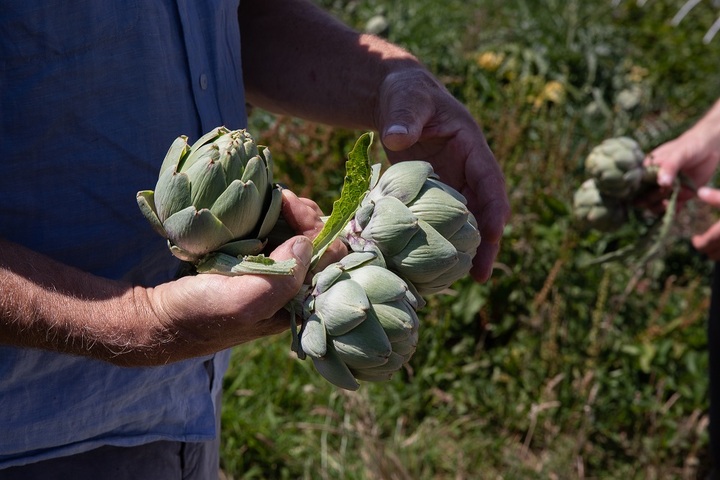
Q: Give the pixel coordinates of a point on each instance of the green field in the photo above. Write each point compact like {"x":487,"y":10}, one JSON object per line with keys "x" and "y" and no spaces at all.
{"x":553,"y":369}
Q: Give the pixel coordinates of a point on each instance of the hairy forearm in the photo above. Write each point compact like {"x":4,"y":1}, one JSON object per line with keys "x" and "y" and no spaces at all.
{"x":299,"y":60}
{"x":48,"y":305}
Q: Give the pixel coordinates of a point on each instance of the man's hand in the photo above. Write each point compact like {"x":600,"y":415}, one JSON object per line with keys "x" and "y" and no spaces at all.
{"x":418,"y":119}
{"x":206,"y":313}
{"x":52,"y":306}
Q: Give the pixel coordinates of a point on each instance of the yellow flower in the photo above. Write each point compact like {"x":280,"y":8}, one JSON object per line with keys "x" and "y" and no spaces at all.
{"x":552,"y":92}
{"x":490,"y":61}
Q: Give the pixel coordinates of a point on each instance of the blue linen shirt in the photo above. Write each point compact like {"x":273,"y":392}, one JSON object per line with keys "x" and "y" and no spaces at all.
{"x":92,"y":94}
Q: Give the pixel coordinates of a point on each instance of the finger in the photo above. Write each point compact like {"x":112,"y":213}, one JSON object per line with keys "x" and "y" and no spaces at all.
{"x":335,"y":252}
{"x":406,"y":109}
{"x":708,"y":242}
{"x":711,"y":196}
{"x":488,"y":201}
{"x":273,"y":292}
{"x":668,"y":169}
{"x":301,"y":216}
{"x":483,"y":261}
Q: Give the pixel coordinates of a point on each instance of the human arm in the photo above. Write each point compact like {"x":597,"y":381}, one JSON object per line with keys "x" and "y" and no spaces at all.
{"x":695,"y":154}
{"x":45,"y":304}
{"x":299,"y":60}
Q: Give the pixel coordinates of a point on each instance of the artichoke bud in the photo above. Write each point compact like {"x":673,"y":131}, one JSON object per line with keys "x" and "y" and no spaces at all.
{"x":419,"y":224}
{"x":216,"y":195}
{"x":616,"y":165}
{"x":598,"y":211}
{"x":391,"y":225}
{"x":356,"y":313}
{"x":440,"y":210}
{"x":402,"y":181}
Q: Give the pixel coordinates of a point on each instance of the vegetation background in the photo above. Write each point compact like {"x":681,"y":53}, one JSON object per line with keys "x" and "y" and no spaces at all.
{"x":553,"y":369}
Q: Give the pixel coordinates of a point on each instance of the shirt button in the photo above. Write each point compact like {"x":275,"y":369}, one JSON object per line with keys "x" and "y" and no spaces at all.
{"x":203,"y":81}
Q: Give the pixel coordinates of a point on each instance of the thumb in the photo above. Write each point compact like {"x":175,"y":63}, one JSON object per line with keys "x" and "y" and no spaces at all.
{"x":667,"y":170}
{"x":300,"y":249}
{"x":711,"y":196}
{"x":404,"y":116}
{"x":666,"y":175}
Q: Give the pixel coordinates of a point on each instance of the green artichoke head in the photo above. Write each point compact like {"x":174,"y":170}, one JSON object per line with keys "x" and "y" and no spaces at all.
{"x":361,"y":321}
{"x":216,"y":195}
{"x":421,"y":226}
{"x":596,"y":210}
{"x":616,"y":165}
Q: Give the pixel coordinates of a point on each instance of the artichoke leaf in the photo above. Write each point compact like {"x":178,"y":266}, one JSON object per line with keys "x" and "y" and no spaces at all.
{"x":334,"y":369}
{"x":272,"y":214}
{"x":427,"y":255}
{"x":397,"y":319}
{"x":466,"y":239}
{"x":176,"y":153}
{"x":207,"y":182}
{"x":313,"y":337}
{"x":402,"y":180}
{"x":343,"y":307}
{"x":256,"y":172}
{"x":380,"y":284}
{"x":197,"y":232}
{"x":394,"y":363}
{"x":369,"y":376}
{"x":239,"y":208}
{"x":366,"y":345}
{"x":392,"y":225}
{"x":241,"y":248}
{"x":146,"y":202}
{"x":172,"y":194}
{"x":224,"y":264}
{"x":440,"y":210}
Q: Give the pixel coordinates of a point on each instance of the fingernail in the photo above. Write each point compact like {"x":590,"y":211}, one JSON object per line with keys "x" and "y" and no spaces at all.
{"x":664,"y":179}
{"x":703,"y":192}
{"x":302,"y":248}
{"x":396,"y":130}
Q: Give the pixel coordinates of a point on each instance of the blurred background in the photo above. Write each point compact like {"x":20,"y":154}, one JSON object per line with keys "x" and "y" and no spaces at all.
{"x":554,"y":369}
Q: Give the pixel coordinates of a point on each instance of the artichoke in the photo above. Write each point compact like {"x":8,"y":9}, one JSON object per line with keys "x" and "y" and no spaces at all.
{"x":616,"y":165}
{"x":422,"y":227}
{"x":214,"y":196}
{"x":360,"y":321}
{"x":596,"y":210}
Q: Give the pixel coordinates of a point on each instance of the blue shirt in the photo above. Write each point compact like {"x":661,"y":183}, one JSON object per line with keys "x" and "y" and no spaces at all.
{"x":92,"y":94}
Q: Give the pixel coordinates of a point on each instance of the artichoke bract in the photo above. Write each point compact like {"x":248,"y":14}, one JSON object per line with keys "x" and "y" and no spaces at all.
{"x":598,"y":211}
{"x":361,"y":321}
{"x":616,"y":165}
{"x":214,"y":196}
{"x":421,"y":226}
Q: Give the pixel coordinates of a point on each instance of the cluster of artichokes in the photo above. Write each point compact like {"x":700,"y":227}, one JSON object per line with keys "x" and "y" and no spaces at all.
{"x":410,"y":235}
{"x":617,"y":176}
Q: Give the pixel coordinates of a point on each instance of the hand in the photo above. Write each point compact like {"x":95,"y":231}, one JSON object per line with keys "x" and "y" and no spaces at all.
{"x":418,"y":119}
{"x":708,"y":242}
{"x":695,"y":154}
{"x":207,"y":313}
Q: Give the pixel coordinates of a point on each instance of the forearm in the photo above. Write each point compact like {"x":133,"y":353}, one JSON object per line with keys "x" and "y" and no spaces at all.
{"x":708,"y":127}
{"x":299,"y":60}
{"x":48,"y":305}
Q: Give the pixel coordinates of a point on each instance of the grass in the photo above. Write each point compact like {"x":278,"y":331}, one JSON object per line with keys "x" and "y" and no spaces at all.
{"x":552,"y":369}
